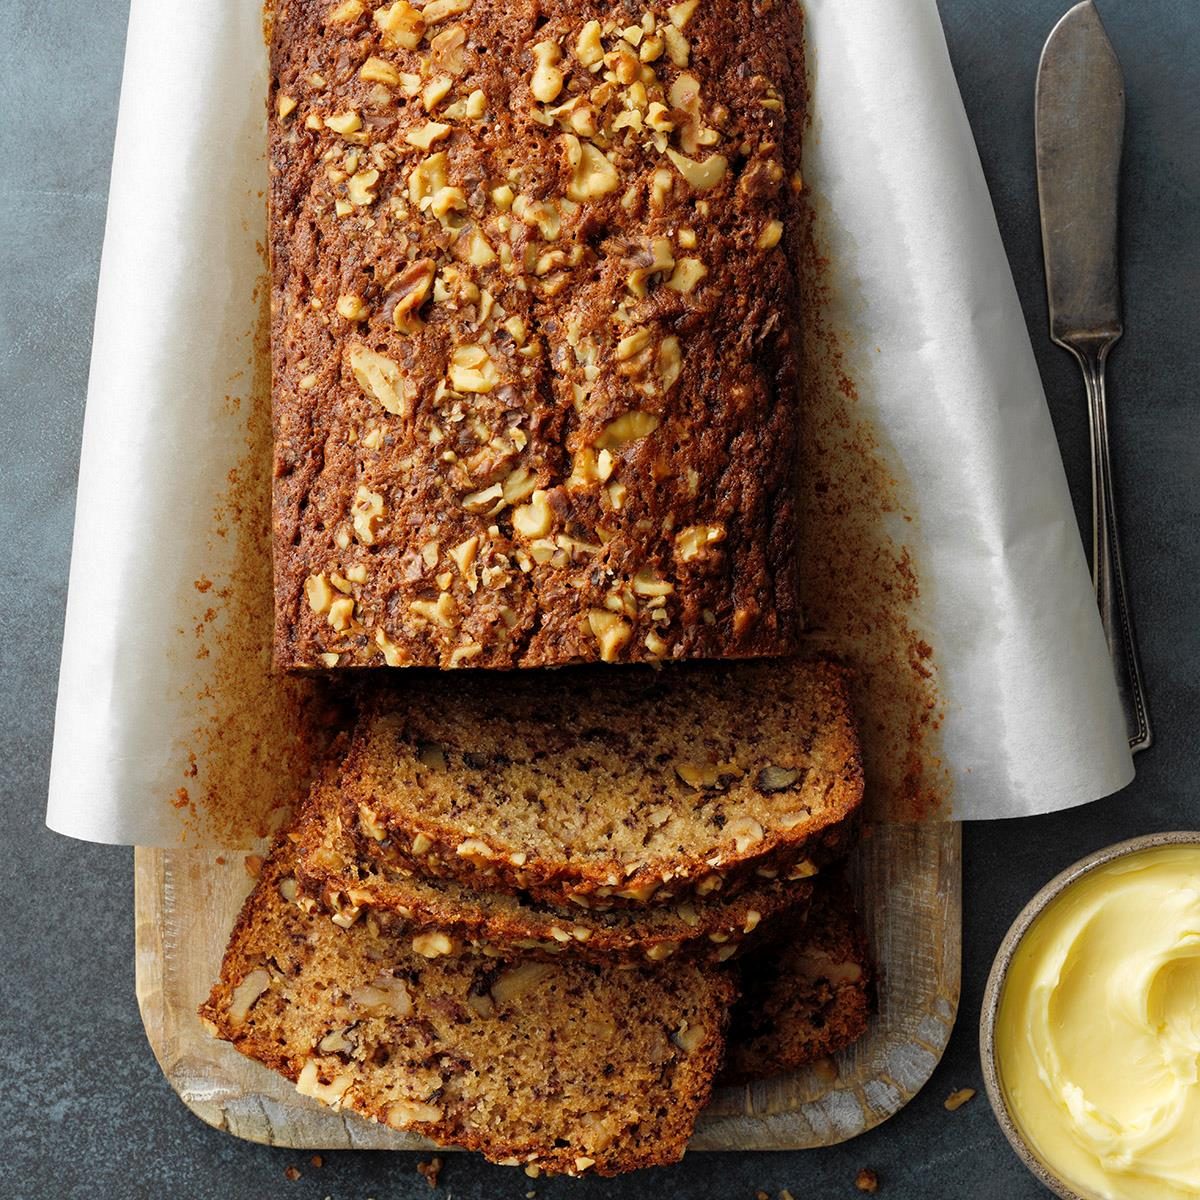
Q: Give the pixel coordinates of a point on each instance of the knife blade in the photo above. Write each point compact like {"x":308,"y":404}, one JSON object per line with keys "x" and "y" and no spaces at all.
{"x":1080,"y":113}
{"x":1080,"y":126}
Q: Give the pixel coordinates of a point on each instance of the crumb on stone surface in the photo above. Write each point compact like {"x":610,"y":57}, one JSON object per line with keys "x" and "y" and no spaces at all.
{"x":866,"y":1180}
{"x":317,"y":1161}
{"x":958,"y":1098}
{"x":430,"y":1170}
{"x":291,"y":1173}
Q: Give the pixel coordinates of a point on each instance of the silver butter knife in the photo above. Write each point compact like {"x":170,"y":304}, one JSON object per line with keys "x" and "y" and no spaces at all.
{"x":1080,"y":123}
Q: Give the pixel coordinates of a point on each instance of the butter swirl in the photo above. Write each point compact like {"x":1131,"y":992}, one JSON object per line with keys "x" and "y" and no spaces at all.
{"x":1098,"y":1029}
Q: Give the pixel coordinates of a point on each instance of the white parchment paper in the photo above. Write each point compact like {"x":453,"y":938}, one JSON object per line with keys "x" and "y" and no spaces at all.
{"x":939,"y":353}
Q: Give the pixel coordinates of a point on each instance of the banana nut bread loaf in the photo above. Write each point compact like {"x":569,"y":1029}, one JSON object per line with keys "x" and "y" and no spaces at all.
{"x":442,"y":917}
{"x":566,"y":1067}
{"x":534,"y":330}
{"x":804,"y":998}
{"x":704,"y":779}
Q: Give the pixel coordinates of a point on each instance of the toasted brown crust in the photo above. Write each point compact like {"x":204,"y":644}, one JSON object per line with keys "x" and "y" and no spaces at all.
{"x":489,"y":1056}
{"x":553,"y":786}
{"x":806,"y":997}
{"x":534,"y":361}
{"x":441,"y":917}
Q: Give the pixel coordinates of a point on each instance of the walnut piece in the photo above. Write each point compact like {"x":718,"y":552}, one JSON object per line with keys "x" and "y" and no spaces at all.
{"x":382,"y":378}
{"x":246,"y":993}
{"x":519,"y":980}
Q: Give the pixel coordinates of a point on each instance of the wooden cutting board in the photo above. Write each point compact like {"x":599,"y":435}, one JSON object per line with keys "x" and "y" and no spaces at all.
{"x":186,"y":900}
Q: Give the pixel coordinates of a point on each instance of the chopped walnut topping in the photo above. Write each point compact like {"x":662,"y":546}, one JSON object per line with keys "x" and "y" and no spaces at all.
{"x":435,"y":91}
{"x":589,"y":49}
{"x":768,"y":239}
{"x":464,"y":555}
{"x":318,"y":593}
{"x":341,"y":613}
{"x":691,"y":542}
{"x":547,"y":79}
{"x":382,"y":378}
{"x":402,"y":25}
{"x":347,"y":122}
{"x":662,"y":260}
{"x":678,"y":50}
{"x":360,"y":188}
{"x":681,"y":14}
{"x":488,"y":500}
{"x":424,"y":136}
{"x":592,"y":173}
{"x":446,"y":50}
{"x":412,"y":287}
{"x":670,"y":362}
{"x":612,"y":632}
{"x":443,"y":611}
{"x":646,"y":583}
{"x":535,"y":519}
{"x":366,"y":513}
{"x":633,"y":344}
{"x":352,"y":308}
{"x":472,"y":370}
{"x":687,"y":274}
{"x":655,"y":644}
{"x":439,"y":10}
{"x":627,"y":428}
{"x":377,"y":70}
{"x":700,"y":175}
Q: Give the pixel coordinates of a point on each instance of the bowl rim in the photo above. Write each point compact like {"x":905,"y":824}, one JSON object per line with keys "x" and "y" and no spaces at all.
{"x":999,"y":973}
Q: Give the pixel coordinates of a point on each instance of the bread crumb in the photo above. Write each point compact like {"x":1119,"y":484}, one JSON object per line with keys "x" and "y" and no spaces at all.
{"x":825,"y":1069}
{"x":958,"y":1099}
{"x":291,"y":1174}
{"x":866,"y":1180}
{"x":317,"y":1161}
{"x":786,"y":1195}
{"x":430,"y":1170}
{"x":254,"y":864}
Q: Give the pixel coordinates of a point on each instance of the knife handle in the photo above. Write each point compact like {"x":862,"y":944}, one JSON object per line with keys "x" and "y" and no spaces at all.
{"x":1108,"y":575}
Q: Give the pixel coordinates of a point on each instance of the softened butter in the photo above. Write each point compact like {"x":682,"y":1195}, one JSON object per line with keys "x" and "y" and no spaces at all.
{"x":1098,"y":1029}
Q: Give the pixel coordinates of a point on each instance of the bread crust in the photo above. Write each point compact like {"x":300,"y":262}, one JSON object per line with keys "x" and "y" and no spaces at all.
{"x":535,"y":362}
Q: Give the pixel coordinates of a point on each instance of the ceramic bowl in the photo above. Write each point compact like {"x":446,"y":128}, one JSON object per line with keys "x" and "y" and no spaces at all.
{"x":995,"y":987}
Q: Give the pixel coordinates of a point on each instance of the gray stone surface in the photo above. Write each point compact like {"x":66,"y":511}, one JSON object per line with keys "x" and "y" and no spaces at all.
{"x":85,"y":1111}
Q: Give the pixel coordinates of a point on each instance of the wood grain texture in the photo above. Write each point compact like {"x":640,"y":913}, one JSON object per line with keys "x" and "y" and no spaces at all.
{"x":909,"y":878}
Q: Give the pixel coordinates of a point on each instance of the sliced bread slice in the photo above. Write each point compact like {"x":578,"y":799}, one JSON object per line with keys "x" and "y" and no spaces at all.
{"x":804,"y":998}
{"x":442,"y":916}
{"x":606,"y":790}
{"x":565,"y":1067}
